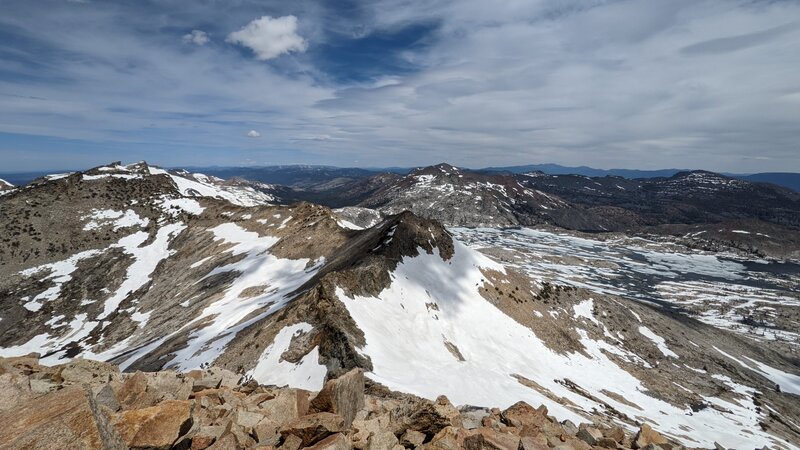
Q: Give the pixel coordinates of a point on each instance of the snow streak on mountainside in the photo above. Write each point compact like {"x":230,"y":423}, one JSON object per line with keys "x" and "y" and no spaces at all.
{"x":157,"y":269}
{"x":479,"y":355}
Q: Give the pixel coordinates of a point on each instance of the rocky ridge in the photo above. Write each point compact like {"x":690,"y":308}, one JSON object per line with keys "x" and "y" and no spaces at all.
{"x":127,"y":266}
{"x":87,"y":404}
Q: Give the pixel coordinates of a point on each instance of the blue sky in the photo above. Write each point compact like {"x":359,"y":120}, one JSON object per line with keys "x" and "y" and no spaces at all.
{"x":634,"y":84}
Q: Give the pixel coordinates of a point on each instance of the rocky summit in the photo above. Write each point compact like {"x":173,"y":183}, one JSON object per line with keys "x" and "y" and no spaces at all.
{"x":88,"y":404}
{"x":149,"y":308}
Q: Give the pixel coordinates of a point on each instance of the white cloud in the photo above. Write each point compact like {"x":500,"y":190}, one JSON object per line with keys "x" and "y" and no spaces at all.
{"x":270,"y":37}
{"x":197,"y":37}
{"x":253,"y":134}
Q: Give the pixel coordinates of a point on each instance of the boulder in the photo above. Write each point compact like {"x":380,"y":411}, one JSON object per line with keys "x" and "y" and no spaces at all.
{"x":247,"y":419}
{"x":226,"y":442}
{"x":472,"y":416}
{"x":446,"y":409}
{"x":291,"y":442}
{"x":615,"y":433}
{"x":382,"y":440}
{"x":521,"y":414}
{"x":647,"y":436}
{"x":169,"y":385}
{"x":343,"y":396}
{"x":361,"y":430}
{"x":569,"y":427}
{"x":14,"y":390}
{"x":538,"y":442}
{"x":155,"y":427}
{"x":589,"y":435}
{"x":204,"y":436}
{"x":87,"y":371}
{"x":448,"y":438}
{"x":606,"y":442}
{"x":336,"y":441}
{"x":313,"y":428}
{"x":266,"y":431}
{"x":67,"y":418}
{"x":132,"y":394}
{"x":287,"y":405}
{"x":418,"y":415}
{"x":491,"y":439}
{"x":105,"y":397}
{"x":412,"y":438}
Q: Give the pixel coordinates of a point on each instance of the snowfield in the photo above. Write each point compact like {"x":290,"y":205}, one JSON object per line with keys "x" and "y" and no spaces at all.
{"x":405,"y":340}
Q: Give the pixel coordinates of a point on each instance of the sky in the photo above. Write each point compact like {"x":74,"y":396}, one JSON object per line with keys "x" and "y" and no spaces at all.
{"x":640,"y":84}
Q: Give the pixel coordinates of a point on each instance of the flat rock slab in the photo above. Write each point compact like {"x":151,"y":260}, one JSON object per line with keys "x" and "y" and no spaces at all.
{"x":67,"y":418}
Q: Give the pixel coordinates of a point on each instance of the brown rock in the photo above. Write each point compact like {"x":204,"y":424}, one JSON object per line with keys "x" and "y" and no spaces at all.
{"x":533,"y":442}
{"x":291,"y":442}
{"x":412,"y":438}
{"x":491,"y":439}
{"x":606,"y":442}
{"x":646,"y":436}
{"x":226,"y":442}
{"x":169,"y":385}
{"x":521,"y":414}
{"x":418,"y":415}
{"x":336,"y":441}
{"x":343,"y":396}
{"x":266,"y":431}
{"x":448,"y":438}
{"x":202,"y":442}
{"x":204,"y":436}
{"x":86,"y":371}
{"x":67,"y":418}
{"x":446,"y":409}
{"x":287,"y":405}
{"x":14,"y":390}
{"x":361,"y":430}
{"x":105,"y":397}
{"x":156,"y":427}
{"x":382,"y":440}
{"x":615,"y":433}
{"x":589,"y":435}
{"x":132,"y":394}
{"x":313,"y":427}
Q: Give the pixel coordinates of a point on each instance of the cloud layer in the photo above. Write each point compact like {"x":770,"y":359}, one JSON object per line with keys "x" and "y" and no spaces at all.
{"x":686,"y":83}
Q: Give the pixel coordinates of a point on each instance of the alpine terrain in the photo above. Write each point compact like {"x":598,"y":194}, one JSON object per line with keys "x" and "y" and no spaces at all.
{"x":445,"y":308}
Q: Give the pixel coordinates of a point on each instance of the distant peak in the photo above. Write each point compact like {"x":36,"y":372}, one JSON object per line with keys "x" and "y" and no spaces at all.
{"x":441,"y":168}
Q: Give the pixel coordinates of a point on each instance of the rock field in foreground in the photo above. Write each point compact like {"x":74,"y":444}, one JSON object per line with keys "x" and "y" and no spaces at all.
{"x":88,"y":404}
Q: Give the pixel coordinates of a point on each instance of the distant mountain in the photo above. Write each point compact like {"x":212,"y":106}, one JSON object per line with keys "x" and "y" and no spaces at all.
{"x":294,"y":176}
{"x":785,"y":179}
{"x":320,"y":178}
{"x":555,"y":169}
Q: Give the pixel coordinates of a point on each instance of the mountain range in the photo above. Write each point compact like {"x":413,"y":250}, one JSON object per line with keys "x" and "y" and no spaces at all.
{"x":302,"y":175}
{"x":670,"y":301}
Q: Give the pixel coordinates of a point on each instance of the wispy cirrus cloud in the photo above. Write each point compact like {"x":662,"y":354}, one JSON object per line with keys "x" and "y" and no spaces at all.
{"x":698,"y":83}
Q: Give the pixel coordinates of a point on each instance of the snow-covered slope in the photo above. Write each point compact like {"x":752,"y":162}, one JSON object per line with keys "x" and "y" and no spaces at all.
{"x":5,"y":187}
{"x":455,"y":342}
{"x":158,"y":269}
